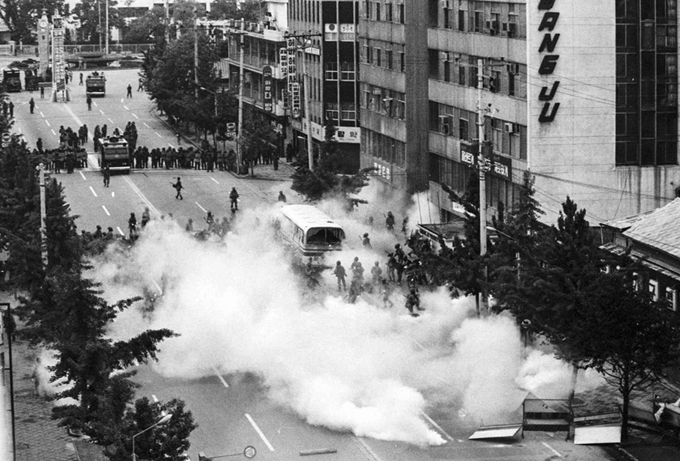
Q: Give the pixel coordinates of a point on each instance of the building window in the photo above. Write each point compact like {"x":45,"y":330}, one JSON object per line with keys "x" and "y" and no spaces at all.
{"x":347,"y":71}
{"x":348,"y":112}
{"x":402,"y":61}
{"x":671,"y":298}
{"x":653,"y":289}
{"x":378,"y":57}
{"x":331,"y":70}
{"x":463,"y":133}
{"x":462,"y":14}
{"x":388,"y":12}
{"x":402,"y":16}
{"x":388,"y":59}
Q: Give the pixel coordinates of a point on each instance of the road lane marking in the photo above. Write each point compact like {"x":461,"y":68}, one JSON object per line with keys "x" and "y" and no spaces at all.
{"x":126,"y":107}
{"x":53,"y":132}
{"x":216,"y":181}
{"x":552,"y":449}
{"x":437,"y":426}
{"x":81,"y":174}
{"x":111,"y":121}
{"x":122,"y":100}
{"x":146,"y":125}
{"x":259,"y":432}
{"x":120,"y":231}
{"x":160,"y":290}
{"x":48,"y":123}
{"x":158,"y":135}
{"x":217,"y":373}
{"x":135,"y":116}
{"x":42,"y":115}
{"x":101,"y":111}
{"x":93,"y":192}
{"x":171,"y":146}
{"x":365,"y":449}
{"x":73,"y":115}
{"x":106,"y":211}
{"x":202,"y":209}
{"x":155,"y":399}
{"x":139,"y":193}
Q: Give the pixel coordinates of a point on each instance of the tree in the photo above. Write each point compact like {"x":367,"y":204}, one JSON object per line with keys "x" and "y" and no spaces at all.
{"x":21,"y":17}
{"x":625,"y":335}
{"x":148,"y":28}
{"x":257,"y":138}
{"x":92,"y":15}
{"x":251,"y":11}
{"x":167,"y":441}
{"x":68,"y":315}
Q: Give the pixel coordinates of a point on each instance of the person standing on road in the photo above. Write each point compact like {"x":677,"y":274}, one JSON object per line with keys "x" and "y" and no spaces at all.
{"x":81,"y":80}
{"x":178,"y":186}
{"x":11,"y":109}
{"x":146,"y":217}
{"x":31,"y":105}
{"x":107,"y":176}
{"x":140,"y":85}
{"x":129,"y":91}
{"x":340,"y":273}
{"x":42,"y":92}
{"x":233,"y":196}
{"x":132,"y":226}
{"x":89,"y":102}
{"x":282,"y":197}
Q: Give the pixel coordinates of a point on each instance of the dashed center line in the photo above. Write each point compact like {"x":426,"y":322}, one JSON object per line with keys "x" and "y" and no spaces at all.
{"x":42,"y":115}
{"x":215,"y":180}
{"x":53,"y":132}
{"x":217,"y":373}
{"x":82,"y":175}
{"x":145,"y":124}
{"x":158,"y":135}
{"x":135,"y":116}
{"x":48,"y":123}
{"x":259,"y":432}
{"x":93,"y":192}
{"x":202,"y":209}
{"x":126,"y":107}
{"x":106,"y":211}
{"x":111,"y":121}
{"x":101,"y":111}
{"x":120,"y":231}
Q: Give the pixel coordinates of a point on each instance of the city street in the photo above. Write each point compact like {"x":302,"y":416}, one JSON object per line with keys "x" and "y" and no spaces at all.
{"x":233,"y":410}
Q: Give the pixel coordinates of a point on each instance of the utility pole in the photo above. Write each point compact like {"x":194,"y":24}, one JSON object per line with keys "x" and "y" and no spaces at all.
{"x":167,"y":22}
{"x":305,"y":94}
{"x":195,"y":56}
{"x":481,"y":164}
{"x":43,"y":214}
{"x":107,"y":27}
{"x":99,"y":4}
{"x":241,"y":76}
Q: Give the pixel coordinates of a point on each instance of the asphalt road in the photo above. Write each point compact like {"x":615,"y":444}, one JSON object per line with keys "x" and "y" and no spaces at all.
{"x":232,"y":410}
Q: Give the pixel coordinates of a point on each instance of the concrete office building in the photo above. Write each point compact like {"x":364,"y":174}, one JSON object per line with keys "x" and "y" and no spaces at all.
{"x":581,"y":93}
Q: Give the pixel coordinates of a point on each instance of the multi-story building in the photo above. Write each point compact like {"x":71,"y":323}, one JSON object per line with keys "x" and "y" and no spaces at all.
{"x":331,"y":57}
{"x":583,"y":94}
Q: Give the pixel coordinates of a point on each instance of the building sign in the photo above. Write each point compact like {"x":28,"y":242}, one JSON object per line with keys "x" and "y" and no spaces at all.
{"x":58,"y":65}
{"x":268,"y":89}
{"x":348,"y":134}
{"x":383,"y":171}
{"x":496,"y":165}
{"x":548,"y":61}
{"x":283,"y":62}
{"x":295,"y":100}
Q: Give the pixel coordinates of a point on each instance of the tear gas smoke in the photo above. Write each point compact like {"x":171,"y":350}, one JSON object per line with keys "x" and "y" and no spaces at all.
{"x":348,"y":367}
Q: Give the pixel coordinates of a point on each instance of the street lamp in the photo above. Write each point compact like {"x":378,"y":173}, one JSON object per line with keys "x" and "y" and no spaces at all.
{"x":163,"y":420}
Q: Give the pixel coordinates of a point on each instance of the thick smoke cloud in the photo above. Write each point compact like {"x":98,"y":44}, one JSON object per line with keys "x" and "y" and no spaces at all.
{"x":239,"y":308}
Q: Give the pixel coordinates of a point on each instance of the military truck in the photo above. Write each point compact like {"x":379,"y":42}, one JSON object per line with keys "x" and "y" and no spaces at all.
{"x":11,"y":80}
{"x":113,"y":151}
{"x":95,"y":84}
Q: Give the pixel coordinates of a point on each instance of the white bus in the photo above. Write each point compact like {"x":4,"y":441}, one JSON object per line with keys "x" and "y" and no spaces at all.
{"x":309,"y":231}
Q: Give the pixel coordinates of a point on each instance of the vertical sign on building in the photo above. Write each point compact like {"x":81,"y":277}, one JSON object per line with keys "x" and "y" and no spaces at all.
{"x":295,"y":99}
{"x":58,"y":67}
{"x":268,"y":88}
{"x":283,"y":63}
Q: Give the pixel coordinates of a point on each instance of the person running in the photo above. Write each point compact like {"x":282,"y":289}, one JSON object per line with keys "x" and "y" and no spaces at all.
{"x":233,"y":196}
{"x":107,"y":176}
{"x":178,"y":186}
{"x":340,"y":273}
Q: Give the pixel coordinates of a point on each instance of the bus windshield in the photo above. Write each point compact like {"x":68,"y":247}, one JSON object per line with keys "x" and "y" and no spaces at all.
{"x":325,"y":236}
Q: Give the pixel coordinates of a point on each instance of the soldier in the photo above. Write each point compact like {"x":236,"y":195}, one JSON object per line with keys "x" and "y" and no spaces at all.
{"x":178,"y":186}
{"x":107,"y":176}
{"x":31,"y":105}
{"x":233,"y":196}
{"x":413,"y":302}
{"x":340,"y":273}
